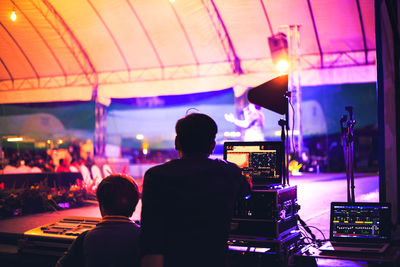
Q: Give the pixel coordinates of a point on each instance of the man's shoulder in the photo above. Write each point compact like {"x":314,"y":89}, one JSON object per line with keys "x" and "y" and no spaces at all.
{"x":213,"y":165}
{"x":225,"y":164}
{"x":110,"y":225}
{"x":202,"y":161}
{"x":163,"y":167}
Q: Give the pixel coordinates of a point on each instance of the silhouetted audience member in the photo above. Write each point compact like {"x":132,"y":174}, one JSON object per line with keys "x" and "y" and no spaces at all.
{"x":14,"y":160}
{"x":63,"y":167}
{"x":50,"y":167}
{"x":27,"y":157}
{"x":187,"y":203}
{"x":74,"y":149}
{"x":75,"y":164}
{"x":39,"y":162}
{"x":115,"y":240}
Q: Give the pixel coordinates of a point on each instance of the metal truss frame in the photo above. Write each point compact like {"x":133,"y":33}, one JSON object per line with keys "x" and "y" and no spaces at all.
{"x":261,"y":65}
{"x":71,"y":42}
{"x":223,"y":35}
{"x":339,"y":59}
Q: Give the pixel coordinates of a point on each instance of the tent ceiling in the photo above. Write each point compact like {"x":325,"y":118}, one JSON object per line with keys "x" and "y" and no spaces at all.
{"x":128,"y":48}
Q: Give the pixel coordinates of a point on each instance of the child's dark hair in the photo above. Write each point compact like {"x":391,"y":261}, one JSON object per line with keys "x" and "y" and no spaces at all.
{"x":118,"y":195}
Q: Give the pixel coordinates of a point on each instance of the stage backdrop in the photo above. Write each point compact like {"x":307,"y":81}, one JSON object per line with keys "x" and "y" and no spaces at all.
{"x":155,"y":117}
{"x":42,"y":121}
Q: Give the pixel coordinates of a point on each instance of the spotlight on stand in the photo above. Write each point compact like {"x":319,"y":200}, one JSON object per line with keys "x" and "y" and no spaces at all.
{"x":278,"y":45}
{"x":273,"y":95}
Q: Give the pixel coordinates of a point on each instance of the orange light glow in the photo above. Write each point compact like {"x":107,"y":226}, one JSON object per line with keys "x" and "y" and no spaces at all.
{"x":13,"y":16}
{"x":283,"y":65}
{"x":15,"y":139}
{"x":145,"y":148}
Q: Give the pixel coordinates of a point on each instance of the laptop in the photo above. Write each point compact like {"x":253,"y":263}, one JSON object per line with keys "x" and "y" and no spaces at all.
{"x":359,"y":227}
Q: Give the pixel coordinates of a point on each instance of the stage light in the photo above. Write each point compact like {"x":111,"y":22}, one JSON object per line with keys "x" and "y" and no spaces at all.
{"x":145,"y":148}
{"x":278,"y":46}
{"x":15,"y":139}
{"x":232,"y":134}
{"x":282,"y":65}
{"x":60,"y":141}
{"x":13,"y":16}
{"x":171,"y":1}
{"x":139,"y":136}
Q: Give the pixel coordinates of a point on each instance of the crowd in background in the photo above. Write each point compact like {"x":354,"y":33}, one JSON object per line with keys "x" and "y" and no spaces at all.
{"x":64,"y":159}
{"x":136,"y":156}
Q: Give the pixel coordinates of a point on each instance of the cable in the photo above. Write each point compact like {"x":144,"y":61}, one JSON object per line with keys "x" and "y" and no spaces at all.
{"x":306,"y":227}
{"x":191,"y":110}
{"x":319,"y":231}
{"x":307,"y":233}
{"x":309,"y":243}
{"x":304,"y":234}
{"x":301,"y":229}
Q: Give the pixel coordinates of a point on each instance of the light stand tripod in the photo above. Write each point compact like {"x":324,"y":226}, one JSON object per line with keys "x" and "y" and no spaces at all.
{"x":285,"y":141}
{"x":347,"y":127}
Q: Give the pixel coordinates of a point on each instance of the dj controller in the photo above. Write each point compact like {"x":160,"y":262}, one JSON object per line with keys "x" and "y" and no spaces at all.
{"x":54,"y":239}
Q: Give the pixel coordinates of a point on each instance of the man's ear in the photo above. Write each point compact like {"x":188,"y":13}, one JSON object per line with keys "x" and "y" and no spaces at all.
{"x":102,"y":211}
{"x":178,"y":147}
{"x":212,"y":147}
{"x":177,"y":144}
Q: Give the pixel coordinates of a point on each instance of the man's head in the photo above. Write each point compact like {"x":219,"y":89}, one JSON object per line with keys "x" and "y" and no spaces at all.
{"x":117,"y":195}
{"x":195,"y":134}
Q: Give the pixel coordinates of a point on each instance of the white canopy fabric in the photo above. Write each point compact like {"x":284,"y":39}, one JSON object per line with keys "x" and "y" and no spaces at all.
{"x":67,"y":50}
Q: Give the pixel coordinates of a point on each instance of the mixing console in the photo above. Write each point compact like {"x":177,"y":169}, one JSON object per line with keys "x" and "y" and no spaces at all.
{"x":69,"y":227}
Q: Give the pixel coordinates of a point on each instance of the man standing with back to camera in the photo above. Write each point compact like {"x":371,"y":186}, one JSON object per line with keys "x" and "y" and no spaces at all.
{"x":188,"y":202}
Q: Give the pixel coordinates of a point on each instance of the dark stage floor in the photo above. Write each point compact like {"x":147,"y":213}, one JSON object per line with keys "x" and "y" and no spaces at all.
{"x":315,"y":192}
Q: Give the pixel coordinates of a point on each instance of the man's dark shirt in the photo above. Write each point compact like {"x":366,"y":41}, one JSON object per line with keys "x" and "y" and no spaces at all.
{"x":187,"y":205}
{"x":113,"y":242}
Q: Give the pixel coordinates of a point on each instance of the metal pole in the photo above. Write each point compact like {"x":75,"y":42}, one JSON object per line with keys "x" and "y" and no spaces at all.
{"x":298,"y":91}
{"x":294,"y":86}
{"x":100,"y":134}
{"x":348,"y":163}
{"x":287,"y":149}
{"x":351,"y":155}
{"x":283,"y":139}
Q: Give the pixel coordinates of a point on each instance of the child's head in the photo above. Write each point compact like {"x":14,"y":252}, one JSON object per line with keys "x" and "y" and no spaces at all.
{"x":117,"y":195}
